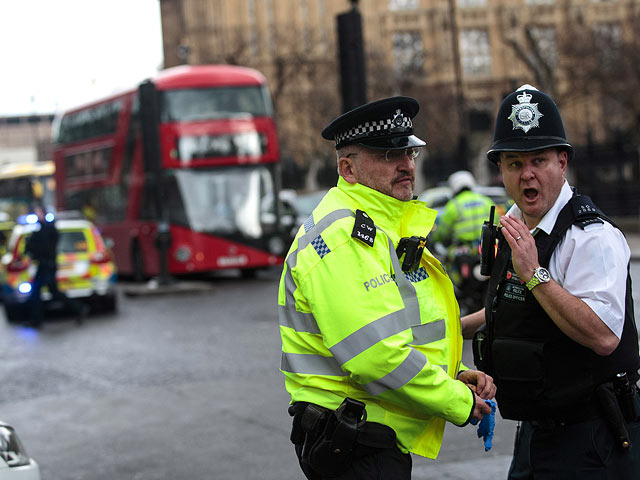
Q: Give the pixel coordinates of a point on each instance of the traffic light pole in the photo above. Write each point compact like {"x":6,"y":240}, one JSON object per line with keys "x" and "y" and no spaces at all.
{"x":149,"y":120}
{"x":351,"y":53}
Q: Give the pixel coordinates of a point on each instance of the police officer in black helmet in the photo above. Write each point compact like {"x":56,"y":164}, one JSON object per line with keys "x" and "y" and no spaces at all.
{"x":557,"y":332}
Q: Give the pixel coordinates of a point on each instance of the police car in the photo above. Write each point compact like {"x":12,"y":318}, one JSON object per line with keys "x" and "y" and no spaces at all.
{"x":86,"y":270}
{"x":6,"y":225}
{"x":15,"y":463}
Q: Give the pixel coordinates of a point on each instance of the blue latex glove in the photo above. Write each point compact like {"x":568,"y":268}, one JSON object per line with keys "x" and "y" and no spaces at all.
{"x":487,"y":424}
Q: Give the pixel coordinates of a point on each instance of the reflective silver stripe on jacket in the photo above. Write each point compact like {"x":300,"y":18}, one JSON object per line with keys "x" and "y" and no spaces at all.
{"x":299,"y":321}
{"x":303,"y":242}
{"x":310,"y":364}
{"x":406,"y":289}
{"x":429,"y":332}
{"x":400,"y":376}
{"x":365,"y":337}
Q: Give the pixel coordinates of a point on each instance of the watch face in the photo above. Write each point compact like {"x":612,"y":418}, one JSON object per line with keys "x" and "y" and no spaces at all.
{"x":543,"y":275}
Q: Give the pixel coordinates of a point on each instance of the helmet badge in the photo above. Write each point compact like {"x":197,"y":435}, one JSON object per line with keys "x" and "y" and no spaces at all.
{"x":397,"y":118}
{"x":525,"y":115}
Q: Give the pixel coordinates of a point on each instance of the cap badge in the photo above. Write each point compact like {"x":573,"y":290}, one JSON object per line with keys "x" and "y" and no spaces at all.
{"x":525,"y":115}
{"x":397,"y":119}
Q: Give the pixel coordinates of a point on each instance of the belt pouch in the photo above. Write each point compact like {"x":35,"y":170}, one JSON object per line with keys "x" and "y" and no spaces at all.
{"x":322,"y":458}
{"x":333,"y":452}
{"x":314,"y":422}
{"x":613,"y":415}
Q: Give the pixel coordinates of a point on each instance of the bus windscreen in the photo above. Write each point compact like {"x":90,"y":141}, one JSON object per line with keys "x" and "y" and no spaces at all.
{"x":188,"y":105}
{"x":220,"y":201}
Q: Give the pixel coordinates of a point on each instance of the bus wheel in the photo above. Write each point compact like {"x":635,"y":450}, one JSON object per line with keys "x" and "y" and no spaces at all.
{"x":249,"y":272}
{"x":137,"y":263}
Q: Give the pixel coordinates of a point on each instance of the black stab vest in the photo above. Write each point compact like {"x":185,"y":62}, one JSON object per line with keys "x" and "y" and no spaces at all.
{"x":539,"y":371}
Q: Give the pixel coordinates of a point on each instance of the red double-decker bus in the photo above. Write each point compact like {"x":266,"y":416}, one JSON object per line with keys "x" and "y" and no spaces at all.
{"x":181,"y":173}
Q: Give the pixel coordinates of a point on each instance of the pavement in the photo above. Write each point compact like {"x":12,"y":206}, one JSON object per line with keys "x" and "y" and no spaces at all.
{"x":166,"y":287}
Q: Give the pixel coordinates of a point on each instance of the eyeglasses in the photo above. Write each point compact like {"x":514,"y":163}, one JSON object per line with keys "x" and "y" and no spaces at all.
{"x":392,"y":156}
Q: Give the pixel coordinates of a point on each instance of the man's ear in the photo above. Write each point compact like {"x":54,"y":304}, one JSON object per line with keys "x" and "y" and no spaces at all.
{"x":563,"y":158}
{"x":347,"y":169}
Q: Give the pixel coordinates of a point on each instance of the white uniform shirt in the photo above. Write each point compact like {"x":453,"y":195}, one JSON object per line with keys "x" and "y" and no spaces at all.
{"x":590,"y":264}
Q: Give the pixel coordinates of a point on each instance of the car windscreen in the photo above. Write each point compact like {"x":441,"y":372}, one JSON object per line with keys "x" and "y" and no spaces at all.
{"x":72,"y":241}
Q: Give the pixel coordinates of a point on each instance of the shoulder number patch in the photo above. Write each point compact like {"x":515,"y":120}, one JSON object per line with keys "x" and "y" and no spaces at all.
{"x":364,"y":229}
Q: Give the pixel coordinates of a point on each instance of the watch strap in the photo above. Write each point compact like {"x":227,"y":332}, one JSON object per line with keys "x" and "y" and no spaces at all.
{"x":540,"y":275}
{"x":535,"y":281}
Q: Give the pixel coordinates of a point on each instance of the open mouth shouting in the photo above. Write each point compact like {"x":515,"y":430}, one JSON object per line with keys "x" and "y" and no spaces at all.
{"x":530,"y":194}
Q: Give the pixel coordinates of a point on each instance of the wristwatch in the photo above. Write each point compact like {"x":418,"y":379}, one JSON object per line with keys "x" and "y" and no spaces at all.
{"x":540,"y":275}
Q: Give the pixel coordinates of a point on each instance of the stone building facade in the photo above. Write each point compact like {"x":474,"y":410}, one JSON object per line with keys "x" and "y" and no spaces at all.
{"x":458,"y":57}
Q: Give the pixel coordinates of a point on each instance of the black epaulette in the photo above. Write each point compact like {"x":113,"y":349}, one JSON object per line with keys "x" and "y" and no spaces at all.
{"x":579,"y":210}
{"x":584,"y":211}
{"x":364,"y":229}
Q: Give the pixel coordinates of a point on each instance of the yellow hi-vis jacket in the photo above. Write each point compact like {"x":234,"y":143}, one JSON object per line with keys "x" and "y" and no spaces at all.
{"x":462,"y":220}
{"x":350,"y":330}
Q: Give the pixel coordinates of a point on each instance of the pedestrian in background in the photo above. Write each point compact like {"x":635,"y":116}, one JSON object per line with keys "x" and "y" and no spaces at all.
{"x":41,"y":247}
{"x":372,"y":348}
{"x":560,"y":337}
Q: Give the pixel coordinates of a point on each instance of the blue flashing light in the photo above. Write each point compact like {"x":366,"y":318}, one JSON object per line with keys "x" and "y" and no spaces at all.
{"x":24,"y":287}
{"x":29,"y":219}
{"x":49,"y":217}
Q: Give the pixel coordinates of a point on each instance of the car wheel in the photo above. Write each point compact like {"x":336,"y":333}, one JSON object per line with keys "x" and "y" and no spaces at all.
{"x":110,"y":303}
{"x":14,"y":313}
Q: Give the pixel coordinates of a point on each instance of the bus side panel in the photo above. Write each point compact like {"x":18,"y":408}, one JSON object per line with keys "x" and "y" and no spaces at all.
{"x":199,"y":252}
{"x":127,"y":237}
{"x":210,"y":252}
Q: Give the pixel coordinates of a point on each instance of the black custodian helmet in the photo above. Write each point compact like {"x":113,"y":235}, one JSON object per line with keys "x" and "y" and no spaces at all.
{"x":528,"y":120}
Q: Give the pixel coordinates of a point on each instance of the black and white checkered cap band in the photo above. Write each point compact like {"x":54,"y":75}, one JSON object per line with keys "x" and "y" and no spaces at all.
{"x":376,"y":128}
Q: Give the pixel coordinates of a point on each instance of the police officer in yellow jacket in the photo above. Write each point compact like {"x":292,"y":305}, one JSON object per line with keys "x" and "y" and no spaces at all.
{"x":371,"y":341}
{"x":464,"y":214}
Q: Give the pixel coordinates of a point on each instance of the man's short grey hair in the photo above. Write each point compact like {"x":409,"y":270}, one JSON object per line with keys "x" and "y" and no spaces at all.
{"x":348,"y":149}
{"x":345,"y":151}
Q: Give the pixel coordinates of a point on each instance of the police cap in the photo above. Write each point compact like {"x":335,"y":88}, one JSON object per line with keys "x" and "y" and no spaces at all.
{"x":384,"y":124}
{"x":528,"y":120}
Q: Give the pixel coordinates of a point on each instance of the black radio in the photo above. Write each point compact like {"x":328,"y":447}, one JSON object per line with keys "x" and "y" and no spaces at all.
{"x":488,"y":243}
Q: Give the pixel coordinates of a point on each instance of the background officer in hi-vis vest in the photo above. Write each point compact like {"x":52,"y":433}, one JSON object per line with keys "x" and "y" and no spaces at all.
{"x":560,"y":338}
{"x":371,"y":340}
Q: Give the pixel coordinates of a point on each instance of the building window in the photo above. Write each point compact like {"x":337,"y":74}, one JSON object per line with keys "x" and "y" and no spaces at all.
{"x":271,"y":29}
{"x":304,"y":15}
{"x":472,"y":3}
{"x":408,"y":53}
{"x":608,"y":40}
{"x":253,"y":35}
{"x":545,"y":41}
{"x":322,"y":26}
{"x":540,"y":2}
{"x":395,"y":5}
{"x":475,"y":52}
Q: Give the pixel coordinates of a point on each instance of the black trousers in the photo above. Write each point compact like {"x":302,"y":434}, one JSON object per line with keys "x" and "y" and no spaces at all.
{"x":580,"y":451}
{"x":46,"y":276}
{"x":369,"y":464}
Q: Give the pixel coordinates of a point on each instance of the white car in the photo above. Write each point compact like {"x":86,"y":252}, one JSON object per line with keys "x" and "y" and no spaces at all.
{"x":15,"y":463}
